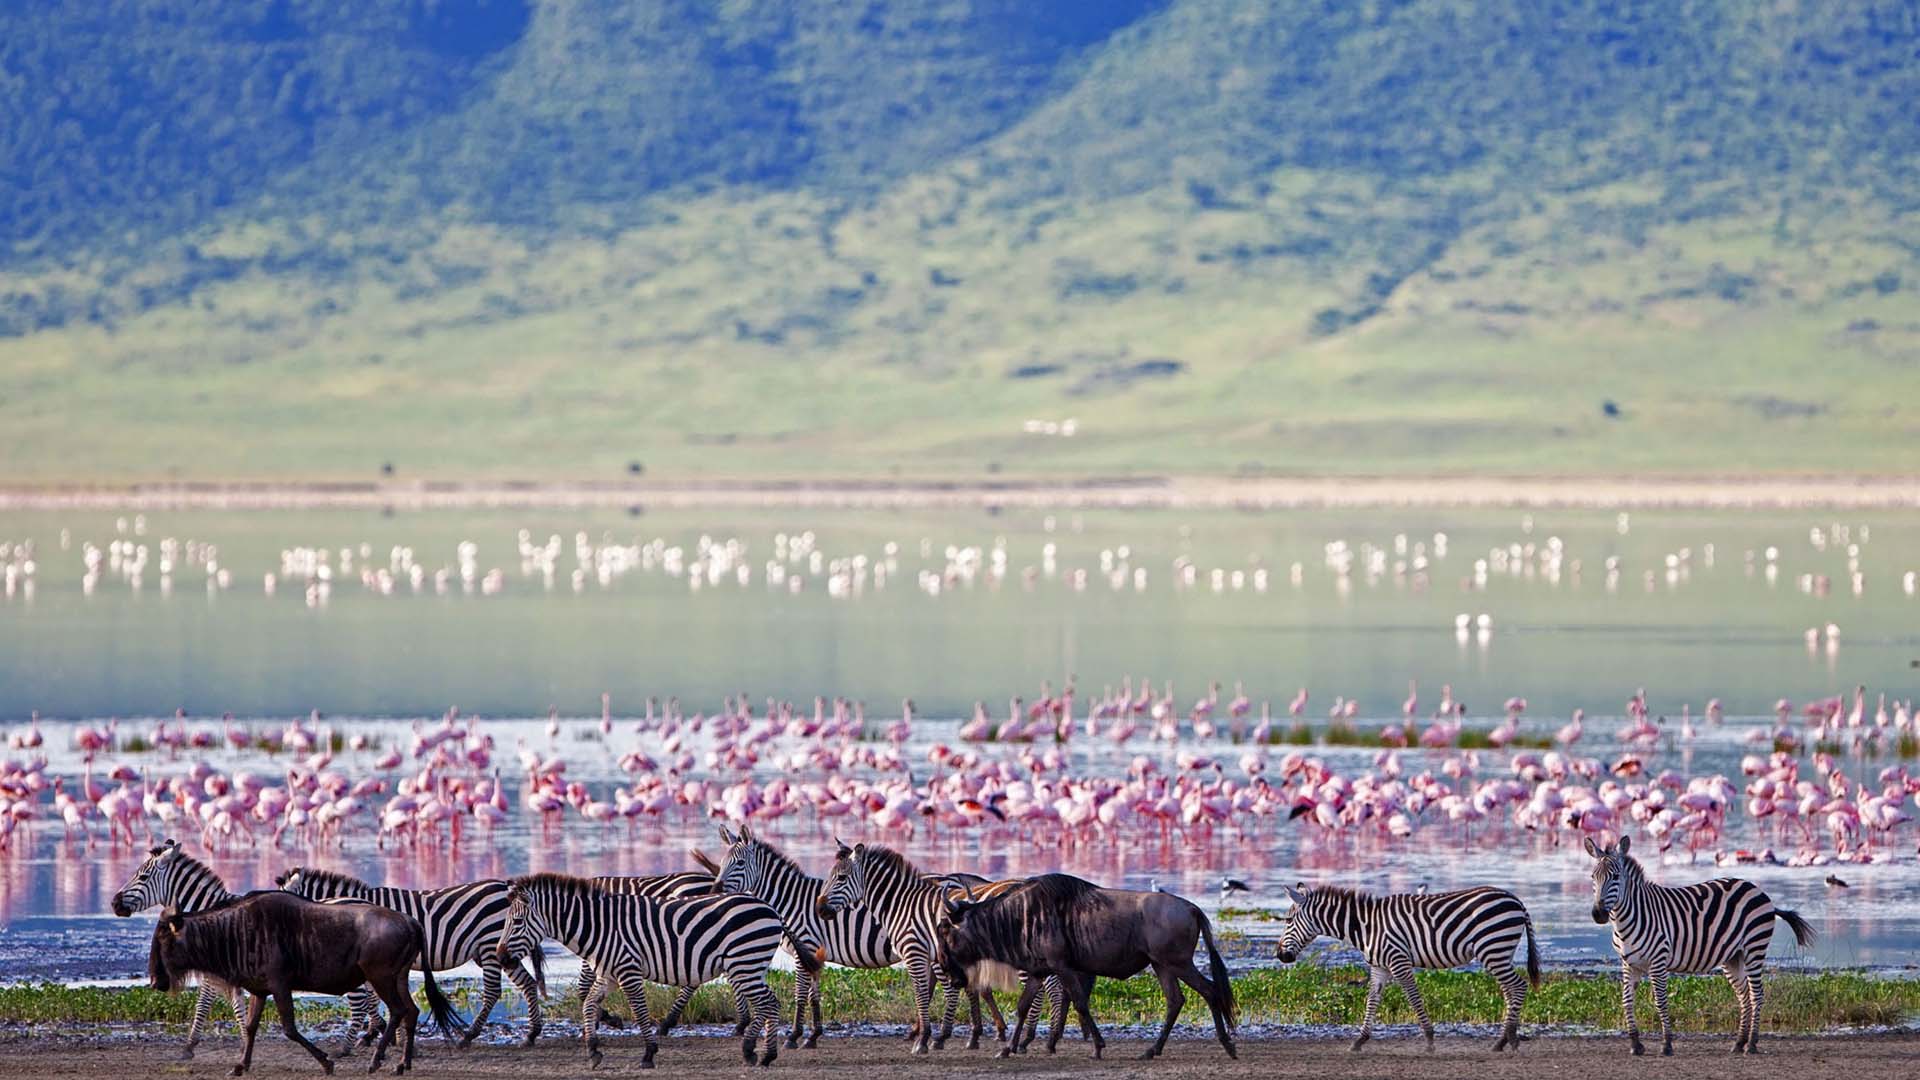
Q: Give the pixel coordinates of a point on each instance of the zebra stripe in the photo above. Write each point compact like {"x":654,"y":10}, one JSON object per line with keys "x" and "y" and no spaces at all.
{"x":631,"y":939}
{"x":1399,"y":933}
{"x":1724,"y":925}
{"x":908,"y":904}
{"x":462,"y":923}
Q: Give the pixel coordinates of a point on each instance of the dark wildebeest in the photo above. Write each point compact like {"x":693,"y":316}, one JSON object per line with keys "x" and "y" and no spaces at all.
{"x":1062,"y":926}
{"x":271,"y":944}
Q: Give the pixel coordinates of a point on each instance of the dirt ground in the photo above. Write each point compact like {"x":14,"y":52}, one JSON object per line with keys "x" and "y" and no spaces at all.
{"x":1858,"y":1057}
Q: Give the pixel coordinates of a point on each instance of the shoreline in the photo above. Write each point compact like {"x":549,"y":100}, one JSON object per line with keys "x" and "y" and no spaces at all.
{"x":1729,"y":492}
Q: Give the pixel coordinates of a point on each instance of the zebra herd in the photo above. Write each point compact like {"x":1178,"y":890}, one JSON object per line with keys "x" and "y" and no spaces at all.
{"x":875,"y":909}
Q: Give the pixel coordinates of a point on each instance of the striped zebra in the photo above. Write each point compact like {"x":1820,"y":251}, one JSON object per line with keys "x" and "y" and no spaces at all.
{"x":631,"y":940}
{"x":171,"y":878}
{"x":1725,"y":925}
{"x":679,"y":885}
{"x":463,"y":923}
{"x":1399,"y":933}
{"x":908,"y":904}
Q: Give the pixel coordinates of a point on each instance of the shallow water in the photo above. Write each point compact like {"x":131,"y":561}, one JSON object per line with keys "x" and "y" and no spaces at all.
{"x":1686,"y":624}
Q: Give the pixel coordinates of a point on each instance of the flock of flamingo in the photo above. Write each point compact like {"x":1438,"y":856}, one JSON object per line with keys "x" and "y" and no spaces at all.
{"x":1047,"y":772}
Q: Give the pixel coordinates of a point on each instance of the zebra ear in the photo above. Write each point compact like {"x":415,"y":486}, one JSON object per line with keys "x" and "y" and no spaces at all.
{"x":746,"y":834}
{"x":1297,"y":895}
{"x":726,"y":836}
{"x":844,"y":849}
{"x":1625,"y":843}
{"x":1594,"y":849}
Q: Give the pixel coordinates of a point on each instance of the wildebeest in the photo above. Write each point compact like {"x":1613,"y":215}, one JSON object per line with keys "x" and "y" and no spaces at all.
{"x":271,"y":944}
{"x":1063,"y":926}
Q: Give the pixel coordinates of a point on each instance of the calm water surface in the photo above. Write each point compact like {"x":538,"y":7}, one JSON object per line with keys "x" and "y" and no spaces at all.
{"x":1692,"y":608}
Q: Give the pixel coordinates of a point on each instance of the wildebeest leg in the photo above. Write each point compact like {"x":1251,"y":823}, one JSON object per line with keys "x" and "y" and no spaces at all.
{"x":255,"y":1006}
{"x":530,"y":990}
{"x":397,"y":995}
{"x":1079,"y":987}
{"x":1020,"y":1010}
{"x":1176,"y":1000}
{"x":283,"y":1001}
{"x":1209,"y":993}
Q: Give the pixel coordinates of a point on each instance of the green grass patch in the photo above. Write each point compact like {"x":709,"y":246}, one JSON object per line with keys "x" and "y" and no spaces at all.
{"x":1301,"y":994}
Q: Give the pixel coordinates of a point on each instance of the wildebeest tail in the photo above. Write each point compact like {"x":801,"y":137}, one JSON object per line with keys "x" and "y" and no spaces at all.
{"x":438,"y":1006}
{"x":1222,"y":982}
{"x":1533,"y":955}
{"x":1802,"y":931}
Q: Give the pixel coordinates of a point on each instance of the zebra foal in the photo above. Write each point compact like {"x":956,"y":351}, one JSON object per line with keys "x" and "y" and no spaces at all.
{"x":1725,"y":924}
{"x":1399,"y":933}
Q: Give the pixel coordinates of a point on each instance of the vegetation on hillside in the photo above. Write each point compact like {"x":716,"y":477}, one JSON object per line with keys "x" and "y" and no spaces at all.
{"x":284,"y":238}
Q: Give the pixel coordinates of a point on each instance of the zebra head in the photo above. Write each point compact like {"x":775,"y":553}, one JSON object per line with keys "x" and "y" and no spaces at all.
{"x":744,"y":869}
{"x":1304,"y":924}
{"x":152,"y":884}
{"x":1609,"y":876}
{"x":525,"y":932}
{"x":847,"y":885}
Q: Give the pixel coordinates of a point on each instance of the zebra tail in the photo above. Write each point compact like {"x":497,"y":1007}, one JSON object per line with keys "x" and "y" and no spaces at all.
{"x":1533,"y":956}
{"x":809,"y":954}
{"x":1802,"y":931}
{"x":1222,"y":981}
{"x":707,"y":864}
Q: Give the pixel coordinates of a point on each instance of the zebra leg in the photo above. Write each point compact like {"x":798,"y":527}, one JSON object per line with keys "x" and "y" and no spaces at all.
{"x":489,"y":994}
{"x":1176,"y":1000}
{"x":1020,"y":1009}
{"x":1514,"y":989}
{"x":202,"y":1009}
{"x":530,"y":990}
{"x":585,"y":984}
{"x":950,"y":996}
{"x":802,"y":987}
{"x":364,"y":1017}
{"x":1403,"y":974}
{"x":1057,"y":1000}
{"x":1735,"y":970}
{"x":636,"y":991}
{"x":1659,"y":976}
{"x":813,"y":1039}
{"x":1629,"y":977}
{"x":1756,"y":996}
{"x":590,"y":1017}
{"x":1376,"y":982}
{"x":679,"y":1006}
{"x":757,"y":996}
{"x":920,"y":971}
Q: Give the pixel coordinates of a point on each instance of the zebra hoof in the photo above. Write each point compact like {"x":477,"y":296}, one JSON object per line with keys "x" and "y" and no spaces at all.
{"x":1667,"y":1050}
{"x":1005,"y":1052}
{"x":594,"y":1057}
{"x":812,"y":1043}
{"x":1638,"y":1049}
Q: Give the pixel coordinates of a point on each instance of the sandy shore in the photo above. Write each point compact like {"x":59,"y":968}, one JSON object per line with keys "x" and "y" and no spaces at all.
{"x":1860,"y":1057}
{"x":1730,"y":492}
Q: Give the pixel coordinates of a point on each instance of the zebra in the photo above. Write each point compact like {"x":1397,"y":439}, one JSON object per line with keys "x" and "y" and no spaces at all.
{"x":631,"y":939}
{"x":173,"y":879}
{"x":463,"y":923}
{"x":1399,"y":933}
{"x":680,"y":885}
{"x":1724,"y":924}
{"x":909,"y":905}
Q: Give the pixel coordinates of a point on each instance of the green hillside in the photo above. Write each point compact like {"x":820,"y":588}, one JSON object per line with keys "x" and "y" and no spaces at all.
{"x":296,"y":239}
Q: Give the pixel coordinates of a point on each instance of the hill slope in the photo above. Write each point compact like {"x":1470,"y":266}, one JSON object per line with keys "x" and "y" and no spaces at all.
{"x":491,"y":237}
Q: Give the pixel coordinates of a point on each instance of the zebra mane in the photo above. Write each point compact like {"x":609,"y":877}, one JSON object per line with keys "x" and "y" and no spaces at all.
{"x":332,"y":877}
{"x":1338,"y":892}
{"x":188,"y":865}
{"x":564,"y":884}
{"x":879,"y":856}
{"x":779,"y":857}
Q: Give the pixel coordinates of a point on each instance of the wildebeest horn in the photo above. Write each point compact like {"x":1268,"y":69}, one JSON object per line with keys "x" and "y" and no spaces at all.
{"x":954,"y":881}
